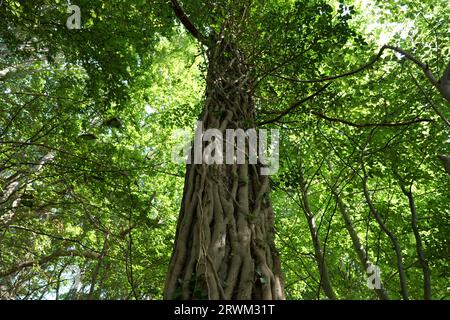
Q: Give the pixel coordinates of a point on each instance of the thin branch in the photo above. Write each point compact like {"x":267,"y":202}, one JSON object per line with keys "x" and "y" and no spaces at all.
{"x":39,"y":232}
{"x":343,"y":75}
{"x":365,"y":125}
{"x":49,"y":258}
{"x":295,"y":105}
{"x":443,"y":84}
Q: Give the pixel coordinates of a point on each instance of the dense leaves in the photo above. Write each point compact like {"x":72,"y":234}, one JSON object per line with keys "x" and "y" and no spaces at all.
{"x":89,"y":196}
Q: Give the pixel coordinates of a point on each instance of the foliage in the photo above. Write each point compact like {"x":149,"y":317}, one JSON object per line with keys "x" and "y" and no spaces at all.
{"x":89,"y":198}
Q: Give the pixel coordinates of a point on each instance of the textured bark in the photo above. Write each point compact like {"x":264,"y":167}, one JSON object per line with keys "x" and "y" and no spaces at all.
{"x":224,"y":246}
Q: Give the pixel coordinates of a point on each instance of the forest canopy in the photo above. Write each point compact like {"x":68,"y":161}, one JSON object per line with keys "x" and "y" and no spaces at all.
{"x":93,"y":93}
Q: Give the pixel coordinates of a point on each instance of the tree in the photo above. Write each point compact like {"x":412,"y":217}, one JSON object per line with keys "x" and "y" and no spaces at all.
{"x":224,"y":247}
{"x":90,"y":203}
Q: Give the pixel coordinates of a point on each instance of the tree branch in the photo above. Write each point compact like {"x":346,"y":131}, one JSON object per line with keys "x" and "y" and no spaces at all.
{"x":186,"y":22}
{"x":365,"y":125}
{"x":50,"y":257}
{"x":426,"y":70}
{"x":343,"y":75}
{"x":443,"y":84}
{"x":295,"y":105}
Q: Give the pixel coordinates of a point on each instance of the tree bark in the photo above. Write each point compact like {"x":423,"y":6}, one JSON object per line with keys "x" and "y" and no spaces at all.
{"x":224,"y":246}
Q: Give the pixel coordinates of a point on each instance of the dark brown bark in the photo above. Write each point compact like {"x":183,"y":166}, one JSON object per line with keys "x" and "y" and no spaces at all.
{"x":224,"y":246}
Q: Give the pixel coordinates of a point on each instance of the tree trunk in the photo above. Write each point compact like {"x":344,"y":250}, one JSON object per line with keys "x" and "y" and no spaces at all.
{"x":224,"y":246}
{"x":419,"y":246}
{"x":325,"y":281}
{"x":357,"y":245}
{"x":391,"y":236}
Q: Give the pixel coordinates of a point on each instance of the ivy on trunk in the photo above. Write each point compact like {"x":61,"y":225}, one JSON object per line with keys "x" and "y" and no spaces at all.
{"x":224,"y":247}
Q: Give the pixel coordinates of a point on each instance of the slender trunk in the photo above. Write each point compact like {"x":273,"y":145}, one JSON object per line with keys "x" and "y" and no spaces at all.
{"x":357,"y":245}
{"x":423,"y":262}
{"x":91,"y":295}
{"x":391,"y":236}
{"x":224,"y":246}
{"x":325,"y":281}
